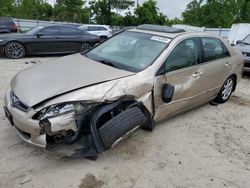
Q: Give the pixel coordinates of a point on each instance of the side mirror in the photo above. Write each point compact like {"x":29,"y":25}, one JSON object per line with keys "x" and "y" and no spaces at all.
{"x":238,"y":42}
{"x":167,"y":93}
{"x":39,"y":35}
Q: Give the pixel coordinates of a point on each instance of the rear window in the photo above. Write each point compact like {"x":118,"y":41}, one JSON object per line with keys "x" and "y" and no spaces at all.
{"x":214,"y":49}
{"x":6,"y":21}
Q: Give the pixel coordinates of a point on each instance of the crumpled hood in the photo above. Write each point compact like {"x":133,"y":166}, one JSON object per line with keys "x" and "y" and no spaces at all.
{"x":53,"y":78}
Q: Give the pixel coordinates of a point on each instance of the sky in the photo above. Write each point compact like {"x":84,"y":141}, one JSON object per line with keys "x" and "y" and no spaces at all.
{"x":171,"y":8}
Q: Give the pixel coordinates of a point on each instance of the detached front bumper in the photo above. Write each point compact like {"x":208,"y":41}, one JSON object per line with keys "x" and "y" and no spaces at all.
{"x":27,"y":128}
{"x":30,"y":131}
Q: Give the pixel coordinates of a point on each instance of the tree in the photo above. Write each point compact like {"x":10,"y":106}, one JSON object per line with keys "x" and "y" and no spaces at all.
{"x":244,"y":15}
{"x":130,"y":20}
{"x":216,"y":13}
{"x":70,"y":11}
{"x":149,"y":13}
{"x":6,"y":7}
{"x":32,"y":9}
{"x":102,"y":9}
{"x":192,"y":13}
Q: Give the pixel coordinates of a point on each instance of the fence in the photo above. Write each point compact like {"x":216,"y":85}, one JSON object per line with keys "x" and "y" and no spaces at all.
{"x":25,"y":24}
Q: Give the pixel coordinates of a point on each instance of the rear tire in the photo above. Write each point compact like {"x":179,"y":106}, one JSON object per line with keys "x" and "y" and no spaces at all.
{"x":121,"y":127}
{"x":226,"y":90}
{"x":14,"y":50}
{"x":85,"y":47}
{"x":103,"y":38}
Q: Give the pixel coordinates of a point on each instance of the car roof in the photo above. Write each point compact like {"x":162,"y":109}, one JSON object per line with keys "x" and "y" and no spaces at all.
{"x":169,"y":32}
{"x":95,"y":25}
{"x":58,"y":25}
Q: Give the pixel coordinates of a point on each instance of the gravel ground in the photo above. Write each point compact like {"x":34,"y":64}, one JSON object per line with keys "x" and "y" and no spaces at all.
{"x":206,"y":147}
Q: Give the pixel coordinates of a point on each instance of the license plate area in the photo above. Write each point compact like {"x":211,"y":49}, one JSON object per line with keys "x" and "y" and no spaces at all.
{"x":8,"y":115}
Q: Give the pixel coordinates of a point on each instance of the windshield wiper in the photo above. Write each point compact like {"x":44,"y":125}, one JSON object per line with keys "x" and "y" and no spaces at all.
{"x":107,"y":63}
{"x":245,"y":43}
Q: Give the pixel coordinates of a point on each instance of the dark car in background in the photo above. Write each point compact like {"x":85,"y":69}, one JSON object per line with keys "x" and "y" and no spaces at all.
{"x":7,"y":25}
{"x":52,"y":39}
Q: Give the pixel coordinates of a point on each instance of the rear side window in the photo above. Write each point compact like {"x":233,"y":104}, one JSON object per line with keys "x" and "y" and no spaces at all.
{"x":185,"y":54}
{"x":102,"y":29}
{"x":92,"y":28}
{"x":96,"y":28}
{"x":214,"y":49}
{"x":68,"y":31}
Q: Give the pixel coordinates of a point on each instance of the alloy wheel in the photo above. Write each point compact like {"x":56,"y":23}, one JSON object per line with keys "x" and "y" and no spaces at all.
{"x":15,"y":50}
{"x":227,"y":89}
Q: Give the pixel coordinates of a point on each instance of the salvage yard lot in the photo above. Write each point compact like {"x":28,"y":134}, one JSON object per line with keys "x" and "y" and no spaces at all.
{"x":206,"y":147}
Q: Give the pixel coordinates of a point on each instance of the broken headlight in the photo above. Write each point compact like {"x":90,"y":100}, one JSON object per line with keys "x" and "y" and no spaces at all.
{"x":61,"y":109}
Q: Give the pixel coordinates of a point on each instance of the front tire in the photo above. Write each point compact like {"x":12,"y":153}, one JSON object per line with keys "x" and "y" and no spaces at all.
{"x":14,"y":50}
{"x":226,"y":90}
{"x":121,"y":127}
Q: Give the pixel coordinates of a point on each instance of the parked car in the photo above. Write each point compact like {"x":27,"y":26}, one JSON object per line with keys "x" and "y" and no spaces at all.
{"x":83,"y":105}
{"x":52,"y":39}
{"x":244,"y":47}
{"x":7,"y":25}
{"x":103,"y":31}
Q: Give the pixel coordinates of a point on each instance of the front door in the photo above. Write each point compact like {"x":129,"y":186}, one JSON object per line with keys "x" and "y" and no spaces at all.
{"x":181,"y":69}
{"x":45,"y":41}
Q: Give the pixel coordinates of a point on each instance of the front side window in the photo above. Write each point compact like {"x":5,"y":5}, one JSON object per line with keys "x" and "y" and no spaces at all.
{"x":130,"y":50}
{"x":50,"y":31}
{"x":185,"y":54}
{"x":213,"y":49}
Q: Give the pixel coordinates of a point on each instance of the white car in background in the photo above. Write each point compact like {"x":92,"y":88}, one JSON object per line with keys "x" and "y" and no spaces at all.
{"x":103,"y":31}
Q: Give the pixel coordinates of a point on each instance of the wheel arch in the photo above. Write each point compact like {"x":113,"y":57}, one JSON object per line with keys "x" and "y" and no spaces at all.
{"x":234,"y":76}
{"x":26,"y":51}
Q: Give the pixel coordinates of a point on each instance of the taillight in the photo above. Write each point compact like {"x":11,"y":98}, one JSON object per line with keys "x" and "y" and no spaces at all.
{"x":14,"y":27}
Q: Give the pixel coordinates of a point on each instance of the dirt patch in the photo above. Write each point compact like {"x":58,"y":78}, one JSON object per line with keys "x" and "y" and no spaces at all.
{"x":90,"y":181}
{"x":240,"y":100}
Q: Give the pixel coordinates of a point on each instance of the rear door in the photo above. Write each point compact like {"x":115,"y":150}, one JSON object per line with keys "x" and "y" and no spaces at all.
{"x":215,"y":65}
{"x":70,"y":39}
{"x":180,"y":69}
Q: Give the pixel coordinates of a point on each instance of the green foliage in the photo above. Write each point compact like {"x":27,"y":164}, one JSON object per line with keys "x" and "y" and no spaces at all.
{"x":70,"y":11}
{"x":32,"y":9}
{"x":149,"y":13}
{"x":216,"y":13}
{"x":6,"y":7}
{"x":102,"y":9}
{"x":208,"y":13}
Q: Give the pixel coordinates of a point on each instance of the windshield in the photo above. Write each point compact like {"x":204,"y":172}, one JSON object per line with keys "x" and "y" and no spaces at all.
{"x":247,"y":40}
{"x":130,"y":51}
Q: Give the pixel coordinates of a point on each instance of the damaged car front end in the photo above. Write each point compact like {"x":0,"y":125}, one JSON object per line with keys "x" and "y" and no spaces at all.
{"x":75,"y":128}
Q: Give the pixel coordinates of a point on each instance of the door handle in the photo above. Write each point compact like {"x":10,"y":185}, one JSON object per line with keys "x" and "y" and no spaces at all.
{"x":197,"y":74}
{"x":227,"y":64}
